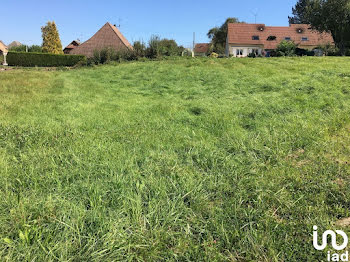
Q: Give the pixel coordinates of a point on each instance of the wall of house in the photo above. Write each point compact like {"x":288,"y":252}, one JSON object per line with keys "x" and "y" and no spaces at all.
{"x":231,"y":50}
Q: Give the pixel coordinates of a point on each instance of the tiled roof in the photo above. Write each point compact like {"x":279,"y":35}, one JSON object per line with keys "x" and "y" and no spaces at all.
{"x":3,"y":47}
{"x":72,"y":45}
{"x":201,"y":48}
{"x":107,"y":36}
{"x":242,"y":34}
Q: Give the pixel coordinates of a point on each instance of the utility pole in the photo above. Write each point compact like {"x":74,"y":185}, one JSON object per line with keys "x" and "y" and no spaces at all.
{"x":194,"y":40}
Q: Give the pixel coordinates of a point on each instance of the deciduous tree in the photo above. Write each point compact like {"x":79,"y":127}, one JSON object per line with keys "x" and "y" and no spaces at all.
{"x":218,"y":35}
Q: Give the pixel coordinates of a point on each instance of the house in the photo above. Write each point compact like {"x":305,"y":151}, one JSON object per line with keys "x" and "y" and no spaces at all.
{"x":201,"y":49}
{"x":3,"y":52}
{"x":14,"y":44}
{"x":245,"y":39}
{"x":108,"y":36}
{"x":71,"y":46}
{"x":3,"y":48}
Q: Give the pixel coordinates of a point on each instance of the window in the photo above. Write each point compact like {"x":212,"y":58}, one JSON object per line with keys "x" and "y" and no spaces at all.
{"x":255,"y":51}
{"x":271,"y":38}
{"x":287,"y":38}
{"x":304,"y":39}
{"x":239,"y":52}
{"x":256,"y":37}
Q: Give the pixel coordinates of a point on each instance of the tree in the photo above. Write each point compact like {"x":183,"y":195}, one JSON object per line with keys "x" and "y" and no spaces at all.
{"x":326,"y":16}
{"x":25,"y":48}
{"x":299,"y":12}
{"x":51,"y":39}
{"x":218,"y":35}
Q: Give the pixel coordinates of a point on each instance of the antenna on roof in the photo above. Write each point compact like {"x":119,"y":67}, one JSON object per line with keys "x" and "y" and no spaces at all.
{"x":255,"y":13}
{"x":119,"y":23}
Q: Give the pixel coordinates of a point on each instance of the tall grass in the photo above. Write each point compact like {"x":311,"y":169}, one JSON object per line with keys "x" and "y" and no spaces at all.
{"x":177,"y":160}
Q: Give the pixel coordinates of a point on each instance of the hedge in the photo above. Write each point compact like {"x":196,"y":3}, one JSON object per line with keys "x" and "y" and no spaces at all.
{"x":43,"y":59}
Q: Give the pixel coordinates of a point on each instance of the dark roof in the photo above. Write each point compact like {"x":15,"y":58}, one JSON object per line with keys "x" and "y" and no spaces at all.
{"x":243,"y":34}
{"x":107,"y":36}
{"x":72,"y":45}
{"x":201,"y":48}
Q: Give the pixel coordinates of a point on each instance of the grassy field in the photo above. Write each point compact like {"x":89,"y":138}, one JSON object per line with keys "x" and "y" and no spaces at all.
{"x":179,"y":160}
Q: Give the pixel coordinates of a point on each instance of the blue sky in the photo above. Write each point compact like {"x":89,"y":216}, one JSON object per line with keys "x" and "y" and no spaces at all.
{"x":139,"y":19}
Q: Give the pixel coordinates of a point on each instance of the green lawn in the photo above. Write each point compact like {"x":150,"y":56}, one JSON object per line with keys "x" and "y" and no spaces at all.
{"x":177,"y":160}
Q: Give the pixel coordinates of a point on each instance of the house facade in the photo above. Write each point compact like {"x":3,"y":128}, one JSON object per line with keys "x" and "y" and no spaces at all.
{"x":108,"y":36}
{"x":245,"y":39}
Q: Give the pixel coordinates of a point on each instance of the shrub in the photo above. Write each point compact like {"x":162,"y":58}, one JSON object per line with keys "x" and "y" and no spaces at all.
{"x":169,"y":48}
{"x":252,"y":55}
{"x":162,"y":47}
{"x":157,"y":48}
{"x":139,"y":49}
{"x":153,"y":50}
{"x":107,"y":55}
{"x":286,"y":48}
{"x":214,"y":55}
{"x":329,"y":50}
{"x":43,"y":59}
{"x":347,"y":53}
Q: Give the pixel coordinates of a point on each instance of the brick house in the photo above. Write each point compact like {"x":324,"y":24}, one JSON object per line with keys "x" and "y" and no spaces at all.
{"x":244,"y":39}
{"x":108,"y":36}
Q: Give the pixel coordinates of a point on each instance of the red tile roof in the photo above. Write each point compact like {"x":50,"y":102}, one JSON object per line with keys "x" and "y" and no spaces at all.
{"x":201,"y":48}
{"x":107,"y":36}
{"x":242,"y":34}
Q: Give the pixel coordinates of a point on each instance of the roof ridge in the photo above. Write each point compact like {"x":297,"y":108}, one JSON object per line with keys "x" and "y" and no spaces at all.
{"x":120,"y":35}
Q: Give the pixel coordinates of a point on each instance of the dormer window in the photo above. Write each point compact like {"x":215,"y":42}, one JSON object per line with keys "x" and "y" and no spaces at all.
{"x":300,"y":30}
{"x":256,"y":37}
{"x":304,"y":39}
{"x":261,"y":28}
{"x":287,"y":38}
{"x":271,"y":38}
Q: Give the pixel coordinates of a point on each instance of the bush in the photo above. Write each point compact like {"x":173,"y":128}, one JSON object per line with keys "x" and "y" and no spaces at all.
{"x":139,"y":49}
{"x":157,"y":48}
{"x":252,"y":55}
{"x":43,"y":59}
{"x":329,"y":50}
{"x":286,"y":48}
{"x":214,"y":55}
{"x":347,"y":53}
{"x":153,"y":50}
{"x":162,"y":47}
{"x":107,"y":55}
